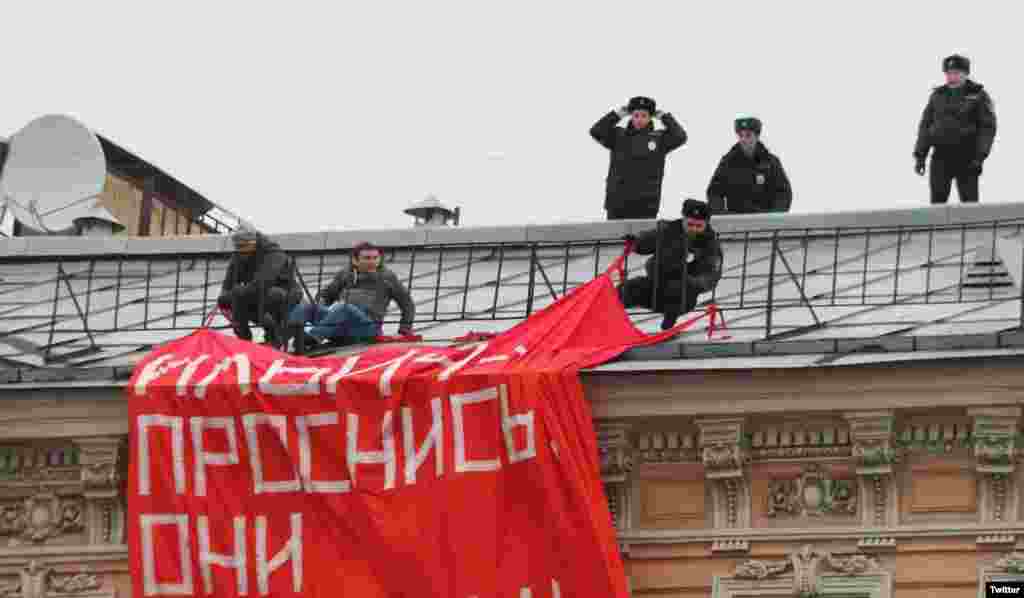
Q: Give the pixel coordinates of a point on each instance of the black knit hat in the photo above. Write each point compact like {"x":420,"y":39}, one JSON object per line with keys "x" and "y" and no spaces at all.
{"x":694,"y":208}
{"x":748,"y":123}
{"x":642,"y":103}
{"x":956,"y":62}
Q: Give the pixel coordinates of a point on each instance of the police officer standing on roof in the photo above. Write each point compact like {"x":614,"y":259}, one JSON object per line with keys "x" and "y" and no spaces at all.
{"x":959,"y":123}
{"x":674,"y":281}
{"x":749,"y":179}
{"x":638,"y":151}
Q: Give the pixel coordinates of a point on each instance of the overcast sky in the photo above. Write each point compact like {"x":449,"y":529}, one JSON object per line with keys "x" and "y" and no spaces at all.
{"x":312,"y":116}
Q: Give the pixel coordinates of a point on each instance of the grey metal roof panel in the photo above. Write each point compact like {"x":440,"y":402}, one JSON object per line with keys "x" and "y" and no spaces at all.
{"x":830,"y":292}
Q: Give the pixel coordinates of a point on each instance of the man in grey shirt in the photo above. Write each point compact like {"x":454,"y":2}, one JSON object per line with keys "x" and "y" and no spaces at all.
{"x":352,"y":307}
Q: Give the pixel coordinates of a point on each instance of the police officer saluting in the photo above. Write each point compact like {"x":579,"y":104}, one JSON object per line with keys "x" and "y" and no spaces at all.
{"x":638,"y":152}
{"x":749,"y":179}
{"x":959,"y":123}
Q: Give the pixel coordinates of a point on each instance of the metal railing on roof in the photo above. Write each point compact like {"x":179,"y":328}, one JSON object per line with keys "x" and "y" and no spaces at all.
{"x":69,"y":307}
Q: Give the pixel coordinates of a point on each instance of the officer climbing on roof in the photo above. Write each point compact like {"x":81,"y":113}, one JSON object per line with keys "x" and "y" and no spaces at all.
{"x":673,"y":280}
{"x":638,"y":151}
{"x":259,"y":286}
{"x":749,"y":179}
{"x":351,"y":308}
{"x":959,"y":123}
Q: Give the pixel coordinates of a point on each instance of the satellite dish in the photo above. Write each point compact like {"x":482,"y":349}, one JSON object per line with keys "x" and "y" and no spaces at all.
{"x":54,"y":171}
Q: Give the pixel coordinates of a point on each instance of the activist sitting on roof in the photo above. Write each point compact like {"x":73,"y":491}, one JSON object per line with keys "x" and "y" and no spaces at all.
{"x":673,"y":281}
{"x":351,"y":308}
{"x":259,"y":286}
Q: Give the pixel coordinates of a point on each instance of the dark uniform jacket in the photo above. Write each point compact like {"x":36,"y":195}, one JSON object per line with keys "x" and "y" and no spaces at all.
{"x":958,"y":122}
{"x":703,"y":271}
{"x":637,"y":159}
{"x":748,"y":184}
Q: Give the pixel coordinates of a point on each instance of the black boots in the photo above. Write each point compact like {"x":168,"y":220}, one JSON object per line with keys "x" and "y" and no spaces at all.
{"x":272,"y":333}
{"x":669,"y":321}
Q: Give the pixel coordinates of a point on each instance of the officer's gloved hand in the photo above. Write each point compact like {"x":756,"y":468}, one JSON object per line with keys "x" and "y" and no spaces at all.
{"x":622,"y":111}
{"x":919,"y":167}
{"x":659,"y":114}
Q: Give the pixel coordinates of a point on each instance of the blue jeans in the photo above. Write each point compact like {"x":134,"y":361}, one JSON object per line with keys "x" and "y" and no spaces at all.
{"x":341,"y":320}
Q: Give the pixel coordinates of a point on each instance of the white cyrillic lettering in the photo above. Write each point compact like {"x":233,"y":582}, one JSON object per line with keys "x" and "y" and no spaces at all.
{"x":556,"y":591}
{"x":187,"y":373}
{"x":346,"y":367}
{"x":236,"y":561}
{"x":458,"y":401}
{"x":390,"y":367}
{"x":509,"y":424}
{"x":433,"y":358}
{"x":278,"y":422}
{"x":414,"y":458}
{"x":310,"y":387}
{"x":386,"y":456}
{"x":303,"y":423}
{"x":458,"y":365}
{"x":176,"y":425}
{"x":166,"y":363}
{"x":241,"y":362}
{"x":292,"y":550}
{"x":519,"y":351}
{"x":494,"y":359}
{"x":183,"y":587}
{"x":203,"y":458}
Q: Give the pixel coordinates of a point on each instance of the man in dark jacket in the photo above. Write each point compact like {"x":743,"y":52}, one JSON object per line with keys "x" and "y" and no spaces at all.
{"x":259,"y":286}
{"x":353,"y":305}
{"x":638,"y":151}
{"x":959,"y":122}
{"x":749,"y":179}
{"x":673,"y":290}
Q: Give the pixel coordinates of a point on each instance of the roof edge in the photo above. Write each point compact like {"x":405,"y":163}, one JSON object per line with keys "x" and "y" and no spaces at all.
{"x":786,"y":224}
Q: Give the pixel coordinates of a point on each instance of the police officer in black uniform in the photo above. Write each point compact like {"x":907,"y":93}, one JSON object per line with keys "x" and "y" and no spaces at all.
{"x":674,"y":281}
{"x":638,"y":151}
{"x":959,"y":124}
{"x":749,"y":179}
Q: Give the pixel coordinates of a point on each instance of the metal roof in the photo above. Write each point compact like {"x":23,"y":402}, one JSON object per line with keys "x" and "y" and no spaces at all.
{"x":826,"y":287}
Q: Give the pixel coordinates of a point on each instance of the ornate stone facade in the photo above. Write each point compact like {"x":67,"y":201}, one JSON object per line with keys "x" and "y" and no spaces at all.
{"x":814,"y":493}
{"x":804,"y":573}
{"x":60,"y":500}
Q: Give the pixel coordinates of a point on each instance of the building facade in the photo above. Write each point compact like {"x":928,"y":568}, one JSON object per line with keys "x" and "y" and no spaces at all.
{"x":853,"y":432}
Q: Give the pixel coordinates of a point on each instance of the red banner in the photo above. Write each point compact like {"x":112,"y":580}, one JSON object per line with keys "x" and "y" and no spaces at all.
{"x":401,"y":471}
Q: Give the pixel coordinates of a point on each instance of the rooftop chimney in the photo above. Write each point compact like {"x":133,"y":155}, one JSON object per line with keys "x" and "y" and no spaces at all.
{"x":99,"y":222}
{"x":431,"y":212}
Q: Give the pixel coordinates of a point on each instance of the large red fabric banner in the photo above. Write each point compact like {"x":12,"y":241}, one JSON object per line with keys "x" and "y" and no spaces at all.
{"x":400,"y":471}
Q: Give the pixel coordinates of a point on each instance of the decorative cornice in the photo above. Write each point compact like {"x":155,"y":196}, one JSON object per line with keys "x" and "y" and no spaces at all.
{"x":877,"y":544}
{"x":830,"y":533}
{"x":614,"y":451}
{"x":730,"y":546}
{"x":996,"y":540}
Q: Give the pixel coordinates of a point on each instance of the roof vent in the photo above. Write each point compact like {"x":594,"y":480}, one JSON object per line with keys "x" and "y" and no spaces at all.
{"x":431,"y":212}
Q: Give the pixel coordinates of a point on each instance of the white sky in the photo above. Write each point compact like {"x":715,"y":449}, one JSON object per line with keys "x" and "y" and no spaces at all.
{"x":313,"y":116}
